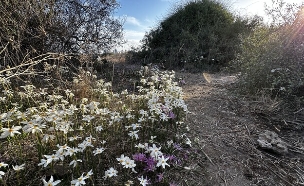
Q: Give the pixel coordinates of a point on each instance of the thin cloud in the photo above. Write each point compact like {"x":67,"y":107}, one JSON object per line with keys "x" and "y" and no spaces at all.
{"x":132,"y":20}
{"x":132,"y":38}
{"x":134,"y":35}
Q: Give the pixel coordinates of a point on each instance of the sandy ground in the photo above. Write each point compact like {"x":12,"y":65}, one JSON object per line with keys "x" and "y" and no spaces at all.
{"x":227,"y":128}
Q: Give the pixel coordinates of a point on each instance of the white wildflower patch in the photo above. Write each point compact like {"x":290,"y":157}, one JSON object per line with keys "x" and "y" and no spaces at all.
{"x":83,"y":133}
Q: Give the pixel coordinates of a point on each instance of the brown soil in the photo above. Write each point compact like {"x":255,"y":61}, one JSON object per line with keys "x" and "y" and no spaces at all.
{"x":226,"y":128}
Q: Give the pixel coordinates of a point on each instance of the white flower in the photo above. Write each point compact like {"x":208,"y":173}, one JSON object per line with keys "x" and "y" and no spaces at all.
{"x":74,"y":163}
{"x":90,"y":139}
{"x":10,"y":131}
{"x":53,"y":118}
{"x":69,"y":94}
{"x":90,"y":173}
{"x":18,"y":167}
{"x":79,"y":181}
{"x":162,"y":162}
{"x":122,"y":159}
{"x":60,"y":155}
{"x":129,"y":183}
{"x":33,"y":126}
{"x":2,"y":164}
{"x":80,"y":128}
{"x":163,"y":117}
{"x":103,"y":142}
{"x":154,"y":151}
{"x":135,"y":126}
{"x":4,"y":116}
{"x":152,"y":139}
{"x":43,"y":162}
{"x":87,"y":118}
{"x":129,"y":163}
{"x":188,"y":142}
{"x":84,"y":145}
{"x":51,"y":182}
{"x":143,"y":181}
{"x":1,"y":174}
{"x":110,"y":173}
{"x":2,"y":99}
{"x":169,"y":143}
{"x":140,"y":146}
{"x":49,"y":159}
{"x":62,"y":148}
{"x":98,"y":151}
{"x":48,"y":137}
{"x":84,"y":100}
{"x":74,"y":138}
{"x":72,"y":151}
{"x":133,"y":134}
{"x":93,"y":105}
{"x":99,"y":128}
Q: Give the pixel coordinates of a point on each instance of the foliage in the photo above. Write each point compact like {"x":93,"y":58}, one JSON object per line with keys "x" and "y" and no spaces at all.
{"x":271,"y":60}
{"x":198,"y":33}
{"x":85,"y":133}
{"x":281,"y":12}
{"x":32,"y":28}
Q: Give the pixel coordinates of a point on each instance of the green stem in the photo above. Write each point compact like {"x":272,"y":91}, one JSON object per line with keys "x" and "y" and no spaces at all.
{"x":39,"y":146}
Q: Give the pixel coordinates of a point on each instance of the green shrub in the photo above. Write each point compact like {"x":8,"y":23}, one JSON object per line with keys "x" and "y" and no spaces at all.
{"x":195,"y":35}
{"x":271,"y":60}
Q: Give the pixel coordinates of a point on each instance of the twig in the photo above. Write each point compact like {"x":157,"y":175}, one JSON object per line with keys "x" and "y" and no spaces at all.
{"x":293,"y":122}
{"x":279,"y":176}
{"x":247,"y":130}
{"x":206,"y":155}
{"x":4,"y":48}
{"x":228,"y":132}
{"x":294,"y":112}
{"x":29,"y":64}
{"x":225,"y":181}
{"x":293,"y":150}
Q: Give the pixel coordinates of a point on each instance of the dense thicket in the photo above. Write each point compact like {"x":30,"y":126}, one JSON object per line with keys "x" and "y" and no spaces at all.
{"x":271,"y":58}
{"x":198,"y":33}
{"x":34,"y":27}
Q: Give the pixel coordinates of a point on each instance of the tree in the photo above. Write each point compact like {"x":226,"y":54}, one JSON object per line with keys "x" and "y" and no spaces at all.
{"x":34,"y":27}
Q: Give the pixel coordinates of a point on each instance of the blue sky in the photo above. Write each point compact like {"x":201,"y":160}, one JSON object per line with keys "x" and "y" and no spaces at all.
{"x":142,"y":15}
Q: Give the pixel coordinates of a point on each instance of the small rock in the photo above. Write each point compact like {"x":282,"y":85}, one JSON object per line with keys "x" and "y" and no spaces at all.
{"x":270,"y":140}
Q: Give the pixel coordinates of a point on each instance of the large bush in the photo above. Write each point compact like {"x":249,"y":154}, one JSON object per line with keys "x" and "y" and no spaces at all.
{"x":198,"y":33}
{"x":271,"y":60}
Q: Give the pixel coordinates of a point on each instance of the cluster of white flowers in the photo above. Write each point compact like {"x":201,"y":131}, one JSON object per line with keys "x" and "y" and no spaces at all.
{"x":158,"y":155}
{"x":16,"y":168}
{"x":60,"y":118}
{"x":126,"y":162}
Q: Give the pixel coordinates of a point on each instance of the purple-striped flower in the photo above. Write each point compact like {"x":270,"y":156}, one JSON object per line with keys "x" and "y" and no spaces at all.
{"x":139,"y":157}
{"x":150,"y":166}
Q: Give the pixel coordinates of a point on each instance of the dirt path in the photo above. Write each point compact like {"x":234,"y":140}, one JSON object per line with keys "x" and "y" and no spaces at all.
{"x":227,"y":133}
